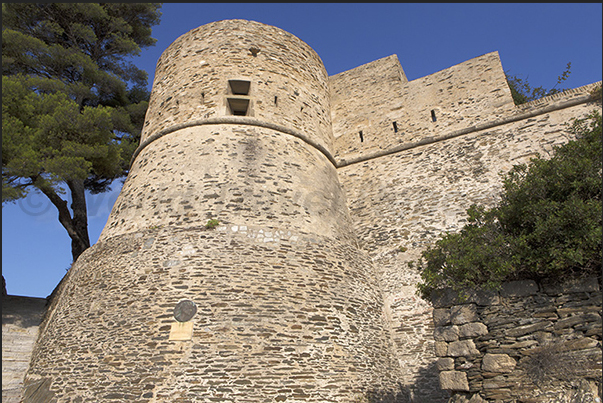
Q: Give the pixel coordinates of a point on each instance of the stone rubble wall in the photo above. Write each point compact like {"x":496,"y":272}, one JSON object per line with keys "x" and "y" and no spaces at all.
{"x":367,"y":98}
{"x":401,"y":202}
{"x":374,"y":96}
{"x":289,"y":306}
{"x":288,"y":82}
{"x":21,"y":317}
{"x":282,"y":316}
{"x":305,"y":291}
{"x":237,"y":174}
{"x":527,"y":342}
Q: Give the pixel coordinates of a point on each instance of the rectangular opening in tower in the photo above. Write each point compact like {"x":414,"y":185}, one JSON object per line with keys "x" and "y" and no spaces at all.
{"x":433,"y":116}
{"x":239,"y":87}
{"x":238,"y":106}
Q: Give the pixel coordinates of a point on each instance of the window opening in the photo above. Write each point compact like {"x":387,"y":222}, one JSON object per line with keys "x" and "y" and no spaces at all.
{"x":275,"y":101}
{"x":433,"y":116}
{"x":361,"y":136}
{"x":238,"y":106}
{"x":203,"y":97}
{"x":395,"y":127}
{"x":239,"y":87}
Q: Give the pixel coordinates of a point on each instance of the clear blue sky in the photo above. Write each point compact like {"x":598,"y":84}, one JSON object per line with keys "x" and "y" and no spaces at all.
{"x":535,"y":41}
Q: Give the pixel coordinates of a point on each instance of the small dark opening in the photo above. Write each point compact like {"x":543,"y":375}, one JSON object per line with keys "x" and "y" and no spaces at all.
{"x":202,"y":97}
{"x":275,"y":101}
{"x":361,"y":136}
{"x":239,"y":87}
{"x":433,"y":116}
{"x":238,"y":106}
{"x":395,"y":127}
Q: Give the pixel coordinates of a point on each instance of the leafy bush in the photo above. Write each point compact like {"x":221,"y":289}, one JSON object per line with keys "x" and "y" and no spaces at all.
{"x":548,"y":224}
{"x":523,"y":92}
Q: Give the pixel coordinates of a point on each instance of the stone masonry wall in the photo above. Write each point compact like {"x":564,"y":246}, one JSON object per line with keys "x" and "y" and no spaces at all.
{"x":367,"y":98}
{"x":374,"y":96}
{"x":288,"y":82}
{"x":21,"y":317}
{"x":304,"y":290}
{"x":526,"y":342}
{"x":289,"y":306}
{"x":401,"y":202}
{"x":238,"y":174}
{"x":282,"y":316}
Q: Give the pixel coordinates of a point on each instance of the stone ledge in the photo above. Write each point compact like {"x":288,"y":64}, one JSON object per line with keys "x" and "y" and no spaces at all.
{"x":454,"y":380}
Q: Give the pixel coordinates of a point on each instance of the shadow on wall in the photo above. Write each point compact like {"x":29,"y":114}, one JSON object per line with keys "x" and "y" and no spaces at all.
{"x":23,"y":312}
{"x":426,"y":389}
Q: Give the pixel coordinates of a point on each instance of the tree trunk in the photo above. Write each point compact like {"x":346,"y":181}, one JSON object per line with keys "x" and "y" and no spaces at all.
{"x":76,"y":226}
{"x":80,"y":218}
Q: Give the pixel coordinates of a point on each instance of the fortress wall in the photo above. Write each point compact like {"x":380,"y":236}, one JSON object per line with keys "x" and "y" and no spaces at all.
{"x":281,"y":315}
{"x":289,"y":306}
{"x":288,"y":80}
{"x":461,"y":96}
{"x":368,"y":99}
{"x":21,"y":317}
{"x":238,"y":175}
{"x":409,"y":198}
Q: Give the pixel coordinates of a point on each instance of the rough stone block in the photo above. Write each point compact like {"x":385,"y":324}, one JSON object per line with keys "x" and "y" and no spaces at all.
{"x":441,"y":348}
{"x":462,"y":348}
{"x":474,"y":329}
{"x":444,"y":298}
{"x":441,"y":316}
{"x":446,"y":333}
{"x":477,"y":399}
{"x":484,"y":297}
{"x":588,"y":284}
{"x":581,"y":344}
{"x":534,"y":327}
{"x":445,"y":364}
{"x":454,"y":380}
{"x":498,"y":363}
{"x":521,"y":288}
{"x":461,"y":314}
{"x":577,"y":319}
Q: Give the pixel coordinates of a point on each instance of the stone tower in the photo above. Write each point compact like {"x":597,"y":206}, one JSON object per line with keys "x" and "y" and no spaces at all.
{"x":288,"y":309}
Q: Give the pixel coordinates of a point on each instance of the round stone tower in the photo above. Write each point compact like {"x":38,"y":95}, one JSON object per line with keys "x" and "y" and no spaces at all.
{"x":238,"y":132}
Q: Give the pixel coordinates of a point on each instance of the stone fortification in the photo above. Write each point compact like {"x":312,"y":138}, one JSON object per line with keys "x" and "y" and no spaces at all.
{"x":325,"y":189}
{"x":403,"y":198}
{"x":377,"y":100}
{"x":289,"y":308}
{"x":21,"y":317}
{"x":526,"y":342}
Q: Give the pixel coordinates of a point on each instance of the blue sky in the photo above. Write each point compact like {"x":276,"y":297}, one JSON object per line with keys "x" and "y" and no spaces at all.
{"x":535,"y":41}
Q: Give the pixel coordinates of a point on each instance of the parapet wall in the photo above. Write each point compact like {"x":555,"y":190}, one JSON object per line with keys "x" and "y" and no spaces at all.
{"x":526,"y":342}
{"x":390,"y":111}
{"x":365,"y":102}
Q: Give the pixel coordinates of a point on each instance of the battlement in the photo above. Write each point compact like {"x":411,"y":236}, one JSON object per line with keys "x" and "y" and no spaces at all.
{"x":375,"y":108}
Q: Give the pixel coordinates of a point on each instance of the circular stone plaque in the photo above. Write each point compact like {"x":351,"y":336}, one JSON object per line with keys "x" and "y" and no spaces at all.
{"x":185,"y":310}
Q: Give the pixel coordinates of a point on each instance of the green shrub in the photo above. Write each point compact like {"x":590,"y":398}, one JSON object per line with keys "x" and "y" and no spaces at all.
{"x":211,"y":224}
{"x":548,"y":224}
{"x":523,"y":92}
